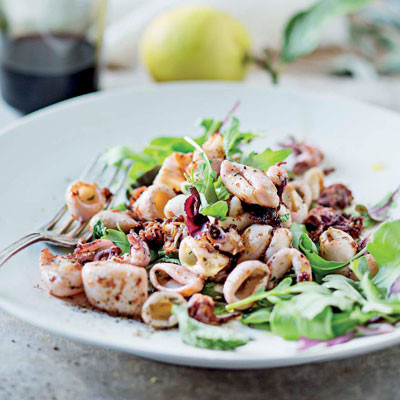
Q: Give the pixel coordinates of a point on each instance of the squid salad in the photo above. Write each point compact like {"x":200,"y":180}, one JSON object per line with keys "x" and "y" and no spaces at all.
{"x":216,"y":241}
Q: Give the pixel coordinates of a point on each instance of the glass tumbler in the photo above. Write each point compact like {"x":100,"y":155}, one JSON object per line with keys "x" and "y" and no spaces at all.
{"x":49,"y":50}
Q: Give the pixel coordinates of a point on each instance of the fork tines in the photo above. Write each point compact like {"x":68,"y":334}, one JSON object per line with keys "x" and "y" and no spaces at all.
{"x":104,"y":175}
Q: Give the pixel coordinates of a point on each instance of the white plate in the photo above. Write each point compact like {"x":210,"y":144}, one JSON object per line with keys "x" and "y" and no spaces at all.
{"x":41,"y":153}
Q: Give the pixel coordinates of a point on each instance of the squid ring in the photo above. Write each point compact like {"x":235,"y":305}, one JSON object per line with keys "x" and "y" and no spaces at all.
{"x":244,"y":280}
{"x":84,"y":200}
{"x":175,"y":278}
{"x":157,"y":309}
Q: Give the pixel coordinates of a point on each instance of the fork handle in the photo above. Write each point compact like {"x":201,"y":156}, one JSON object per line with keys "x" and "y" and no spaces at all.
{"x":20,"y":244}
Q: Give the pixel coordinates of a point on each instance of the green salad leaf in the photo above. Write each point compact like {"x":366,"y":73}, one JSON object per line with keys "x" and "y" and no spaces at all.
{"x":197,"y":334}
{"x":302,"y":32}
{"x":233,"y":138}
{"x":322,"y":312}
{"x":157,"y":150}
{"x":376,"y":299}
{"x":259,"y":316}
{"x":220,"y":190}
{"x":159,"y":255}
{"x":210,"y":289}
{"x":118,"y":237}
{"x":266,"y":159}
{"x":99,"y":230}
{"x":211,"y":190}
{"x":332,"y":310}
{"x":287,"y":322}
{"x":384,"y":246}
{"x":378,"y":212}
{"x":297,"y":230}
{"x":216,"y":210}
{"x":120,"y":207}
{"x":210,"y":127}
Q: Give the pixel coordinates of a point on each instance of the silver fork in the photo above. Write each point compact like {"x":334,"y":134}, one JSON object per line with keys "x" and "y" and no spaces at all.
{"x":62,"y":230}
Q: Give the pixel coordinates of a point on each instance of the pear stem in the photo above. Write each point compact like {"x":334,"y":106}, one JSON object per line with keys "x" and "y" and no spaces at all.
{"x":267,"y":63}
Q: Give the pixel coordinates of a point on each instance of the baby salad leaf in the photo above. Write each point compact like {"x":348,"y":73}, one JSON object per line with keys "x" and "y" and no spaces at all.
{"x":302,"y":32}
{"x":287,"y":322}
{"x":119,"y":239}
{"x":220,"y":190}
{"x":197,"y":334}
{"x":384,"y":246}
{"x":211,"y":190}
{"x":310,"y":314}
{"x":156,"y":151}
{"x":378,"y":300}
{"x":379,"y":212}
{"x":210,"y":289}
{"x":285,"y":217}
{"x":266,"y":159}
{"x":344,"y":287}
{"x":297,"y":230}
{"x":211,"y":126}
{"x":257,"y":318}
{"x":233,"y":137}
{"x":99,"y":230}
{"x":216,"y":210}
{"x":121,"y":207}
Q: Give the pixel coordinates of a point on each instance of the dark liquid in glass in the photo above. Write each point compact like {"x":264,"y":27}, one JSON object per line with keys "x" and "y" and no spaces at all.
{"x":37,"y":71}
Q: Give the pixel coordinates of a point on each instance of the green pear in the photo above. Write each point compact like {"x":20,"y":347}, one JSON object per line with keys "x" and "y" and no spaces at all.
{"x":192,"y":43}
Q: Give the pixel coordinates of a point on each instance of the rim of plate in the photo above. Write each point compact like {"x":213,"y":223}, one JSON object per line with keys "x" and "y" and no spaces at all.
{"x":218,"y":359}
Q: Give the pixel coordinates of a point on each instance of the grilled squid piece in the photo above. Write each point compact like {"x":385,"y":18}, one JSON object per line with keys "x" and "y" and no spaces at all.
{"x":172,"y":170}
{"x":285,"y":259}
{"x":249,"y":184}
{"x":139,"y":252}
{"x":201,"y":308}
{"x":214,"y":149}
{"x":157,"y":309}
{"x":151,"y":203}
{"x":303,"y":190}
{"x":281,"y":239}
{"x":115,"y":287}
{"x":175,"y":278}
{"x":60,"y":274}
{"x":278,"y":175}
{"x":295,"y":203}
{"x":84,"y":200}
{"x":228,"y":241}
{"x":256,"y":239}
{"x":236,"y":216}
{"x":175,"y":207}
{"x":336,"y":245}
{"x":314,"y":179}
{"x":200,"y":257}
{"x":246,"y":278}
{"x":95,"y":251}
{"x":113,"y":219}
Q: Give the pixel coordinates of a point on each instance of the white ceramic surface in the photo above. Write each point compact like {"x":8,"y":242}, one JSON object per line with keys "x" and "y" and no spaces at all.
{"x":41,"y":153}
